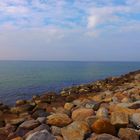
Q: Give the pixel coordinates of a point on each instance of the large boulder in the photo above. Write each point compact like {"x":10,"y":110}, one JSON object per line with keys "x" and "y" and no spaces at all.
{"x":103,"y":126}
{"x":81,"y":114}
{"x":75,"y":131}
{"x":59,"y":120}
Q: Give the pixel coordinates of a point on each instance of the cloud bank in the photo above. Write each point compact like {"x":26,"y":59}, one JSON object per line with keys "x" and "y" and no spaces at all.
{"x":70,"y":30}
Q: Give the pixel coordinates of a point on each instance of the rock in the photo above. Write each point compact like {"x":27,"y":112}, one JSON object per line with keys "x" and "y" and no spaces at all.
{"x":68,"y":106}
{"x":17,"y":138}
{"x":126,"y":100}
{"x":137,"y":77}
{"x":56,"y":130}
{"x":135,"y":105}
{"x":62,"y":110}
{"x":82,"y":113}
{"x":128,"y":134}
{"x":2,"y":123}
{"x":70,"y":98}
{"x":102,"y":137}
{"x":93,"y":105}
{"x":135,"y":119}
{"x":31,"y":124}
{"x":3,"y":134}
{"x":90,"y":120}
{"x":41,"y":135}
{"x":42,"y":105}
{"x":39,"y":128}
{"x":22,"y":108}
{"x":59,"y":138}
{"x":103,"y":126}
{"x":59,"y":120}
{"x":16,"y":121}
{"x":117,"y":108}
{"x":40,"y":113}
{"x":21,"y":131}
{"x":119,"y":119}
{"x":102,"y":112}
{"x":80,"y":101}
{"x":41,"y":119}
{"x":75,"y":131}
{"x":20,"y":102}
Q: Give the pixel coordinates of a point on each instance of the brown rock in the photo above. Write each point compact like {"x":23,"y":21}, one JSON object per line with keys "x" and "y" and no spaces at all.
{"x":3,"y":134}
{"x":59,"y":138}
{"x":61,"y":110}
{"x":56,"y":130}
{"x":75,"y":131}
{"x":17,"y":138}
{"x":59,"y":120}
{"x":20,"y":102}
{"x":16,"y":121}
{"x":42,"y":105}
{"x":116,"y":108}
{"x":119,"y":119}
{"x":68,"y":106}
{"x":103,"y":126}
{"x":22,"y":108}
{"x":128,"y":134}
{"x":90,"y":120}
{"x":82,"y":113}
{"x":102,"y":112}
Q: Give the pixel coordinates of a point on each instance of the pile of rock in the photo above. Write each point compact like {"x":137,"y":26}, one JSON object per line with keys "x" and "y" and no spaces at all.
{"x":104,"y":110}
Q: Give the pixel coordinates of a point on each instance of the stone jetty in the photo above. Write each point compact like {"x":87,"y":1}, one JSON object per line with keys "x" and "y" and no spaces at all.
{"x":108,"y":109}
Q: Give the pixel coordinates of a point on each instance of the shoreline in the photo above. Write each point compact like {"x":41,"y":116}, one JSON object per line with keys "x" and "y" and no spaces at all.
{"x":94,"y":104}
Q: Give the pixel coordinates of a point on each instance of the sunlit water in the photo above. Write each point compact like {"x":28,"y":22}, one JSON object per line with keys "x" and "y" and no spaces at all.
{"x":22,"y":79}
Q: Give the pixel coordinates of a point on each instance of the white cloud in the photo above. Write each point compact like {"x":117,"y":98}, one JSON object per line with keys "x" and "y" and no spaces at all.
{"x":92,"y":21}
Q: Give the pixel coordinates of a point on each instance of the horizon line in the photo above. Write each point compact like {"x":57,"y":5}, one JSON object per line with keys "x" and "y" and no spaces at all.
{"x":37,"y":60}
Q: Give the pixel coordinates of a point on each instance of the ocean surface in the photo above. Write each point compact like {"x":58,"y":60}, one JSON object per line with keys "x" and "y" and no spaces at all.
{"x":23,"y":79}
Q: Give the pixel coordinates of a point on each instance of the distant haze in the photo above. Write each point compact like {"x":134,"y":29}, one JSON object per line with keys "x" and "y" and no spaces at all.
{"x":77,"y":30}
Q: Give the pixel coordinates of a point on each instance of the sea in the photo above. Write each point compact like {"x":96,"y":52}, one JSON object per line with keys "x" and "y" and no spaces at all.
{"x":23,"y":79}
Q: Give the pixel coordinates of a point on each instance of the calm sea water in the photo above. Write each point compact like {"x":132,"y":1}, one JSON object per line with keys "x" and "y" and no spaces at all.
{"x":22,"y":79}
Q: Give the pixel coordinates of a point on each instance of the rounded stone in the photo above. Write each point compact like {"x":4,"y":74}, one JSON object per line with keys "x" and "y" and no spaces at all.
{"x":103,"y":126}
{"x":81,"y":114}
{"x":59,"y":120}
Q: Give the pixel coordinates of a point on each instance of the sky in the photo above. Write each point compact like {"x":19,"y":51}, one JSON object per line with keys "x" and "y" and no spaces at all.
{"x":76,"y":30}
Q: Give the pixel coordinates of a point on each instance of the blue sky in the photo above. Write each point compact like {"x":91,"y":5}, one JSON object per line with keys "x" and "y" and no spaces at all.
{"x":89,"y":30}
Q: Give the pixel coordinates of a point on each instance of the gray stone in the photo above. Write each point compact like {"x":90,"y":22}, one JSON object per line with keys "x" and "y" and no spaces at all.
{"x":135,"y":119}
{"x":31,"y":124}
{"x":102,"y":137}
{"x":41,"y":135}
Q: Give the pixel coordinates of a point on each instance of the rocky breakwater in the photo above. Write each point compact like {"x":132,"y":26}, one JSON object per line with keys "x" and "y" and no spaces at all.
{"x":102,"y":110}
